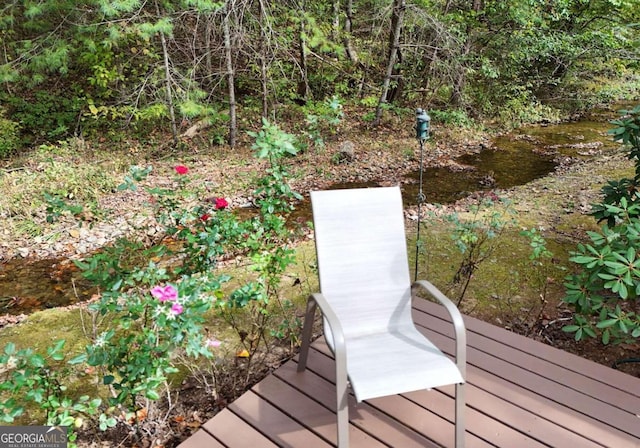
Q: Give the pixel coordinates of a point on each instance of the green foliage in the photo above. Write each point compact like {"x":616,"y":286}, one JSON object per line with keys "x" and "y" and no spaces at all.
{"x":272,"y":144}
{"x":45,"y":115}
{"x":154,"y":325}
{"x":161,"y":311}
{"x":136,"y":174}
{"x":540,"y":275}
{"x":454,"y":117}
{"x":29,"y":377}
{"x":102,"y":64}
{"x":71,"y":187}
{"x":475,"y":238}
{"x":605,"y":291}
{"x":322,"y":119}
{"x":9,"y":135}
{"x":627,"y":132}
{"x":56,"y":206}
{"x":115,"y":262}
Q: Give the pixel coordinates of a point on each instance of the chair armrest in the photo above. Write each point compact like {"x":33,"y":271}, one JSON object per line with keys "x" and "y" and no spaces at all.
{"x":337,"y":334}
{"x":456,"y":318}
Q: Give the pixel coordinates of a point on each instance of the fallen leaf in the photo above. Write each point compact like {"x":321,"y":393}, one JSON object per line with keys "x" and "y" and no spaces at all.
{"x":141,"y":414}
{"x":242,"y":354}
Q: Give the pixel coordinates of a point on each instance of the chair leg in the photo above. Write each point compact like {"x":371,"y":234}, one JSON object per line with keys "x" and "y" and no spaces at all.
{"x":307,"y":330}
{"x":342,"y":410}
{"x":459,"y":416}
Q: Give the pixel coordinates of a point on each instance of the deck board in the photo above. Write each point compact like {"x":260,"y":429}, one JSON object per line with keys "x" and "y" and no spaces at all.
{"x":520,"y":393}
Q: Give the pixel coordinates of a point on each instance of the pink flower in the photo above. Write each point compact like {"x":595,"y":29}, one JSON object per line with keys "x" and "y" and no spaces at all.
{"x":181,"y":169}
{"x":163,"y":294}
{"x":176,"y":309}
{"x":220,"y":203}
{"x":213,"y":343}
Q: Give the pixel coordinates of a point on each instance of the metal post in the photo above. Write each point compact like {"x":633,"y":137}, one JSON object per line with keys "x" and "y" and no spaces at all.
{"x":422,"y":134}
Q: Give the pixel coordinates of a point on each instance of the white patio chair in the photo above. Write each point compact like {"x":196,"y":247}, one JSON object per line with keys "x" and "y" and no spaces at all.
{"x":365,"y":301}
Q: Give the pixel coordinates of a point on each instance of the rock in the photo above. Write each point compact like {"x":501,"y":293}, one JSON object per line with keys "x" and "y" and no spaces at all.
{"x":346,"y":153}
{"x":23,"y":251}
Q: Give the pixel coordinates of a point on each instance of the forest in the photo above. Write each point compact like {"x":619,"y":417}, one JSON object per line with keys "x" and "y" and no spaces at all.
{"x":77,"y":68}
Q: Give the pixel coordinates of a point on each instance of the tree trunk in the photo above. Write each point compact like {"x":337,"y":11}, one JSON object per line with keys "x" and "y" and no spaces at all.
{"x":303,"y":85}
{"x":460,"y":78}
{"x":167,"y":75}
{"x":209,"y":27}
{"x":264,"y":79}
{"x":348,"y":24}
{"x":233,"y":126}
{"x":399,"y":7}
{"x":335,"y":25}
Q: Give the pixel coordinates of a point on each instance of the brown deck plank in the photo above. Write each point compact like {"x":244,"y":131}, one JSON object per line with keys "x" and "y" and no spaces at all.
{"x":278,"y":427}
{"x":309,"y":413}
{"x":371,"y":420}
{"x":201,"y":439}
{"x":538,"y":424}
{"x":520,"y":393}
{"x":586,"y":396}
{"x":580,"y":365}
{"x":486,"y":428}
{"x":233,"y":432}
{"x":565,"y":418}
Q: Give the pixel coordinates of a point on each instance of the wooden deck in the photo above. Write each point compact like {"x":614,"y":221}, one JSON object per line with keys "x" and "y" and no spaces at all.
{"x":520,"y":393}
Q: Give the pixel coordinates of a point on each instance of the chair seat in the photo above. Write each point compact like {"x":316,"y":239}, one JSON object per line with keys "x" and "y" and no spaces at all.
{"x":376,"y":361}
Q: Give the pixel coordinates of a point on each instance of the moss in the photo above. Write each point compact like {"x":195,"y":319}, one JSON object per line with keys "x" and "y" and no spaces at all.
{"x":42,"y":328}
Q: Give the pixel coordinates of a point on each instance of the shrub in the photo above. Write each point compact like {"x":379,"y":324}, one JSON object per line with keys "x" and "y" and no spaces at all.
{"x":9,"y":135}
{"x":46,"y":116}
{"x":605,"y":292}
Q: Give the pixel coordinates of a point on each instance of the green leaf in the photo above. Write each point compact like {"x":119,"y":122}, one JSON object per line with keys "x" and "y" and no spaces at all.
{"x":152,"y":395}
{"x":37,"y":361}
{"x":578,"y":334}
{"x":67,"y":420}
{"x":606,"y":335}
{"x":78,"y":359}
{"x":606,"y":323}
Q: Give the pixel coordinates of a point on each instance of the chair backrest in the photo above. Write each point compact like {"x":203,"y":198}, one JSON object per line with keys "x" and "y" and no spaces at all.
{"x":362,"y":257}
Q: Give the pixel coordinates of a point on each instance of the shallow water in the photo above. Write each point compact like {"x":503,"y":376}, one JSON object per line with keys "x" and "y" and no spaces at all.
{"x":27,"y":285}
{"x":513,"y":159}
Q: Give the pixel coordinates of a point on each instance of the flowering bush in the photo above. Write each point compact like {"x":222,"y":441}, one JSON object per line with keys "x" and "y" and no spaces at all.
{"x":150,"y":325}
{"x":153,"y":317}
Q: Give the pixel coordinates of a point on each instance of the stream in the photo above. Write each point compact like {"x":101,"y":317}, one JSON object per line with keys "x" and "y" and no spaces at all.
{"x":513,"y":159}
